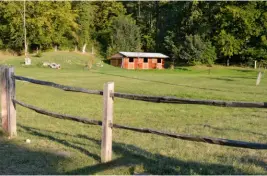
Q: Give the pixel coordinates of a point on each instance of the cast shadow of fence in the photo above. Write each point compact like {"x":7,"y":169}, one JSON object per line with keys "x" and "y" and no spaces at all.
{"x":132,"y":156}
{"x":232,"y":129}
{"x":222,"y":79}
{"x":18,"y":159}
{"x":160,"y":82}
{"x":180,"y":85}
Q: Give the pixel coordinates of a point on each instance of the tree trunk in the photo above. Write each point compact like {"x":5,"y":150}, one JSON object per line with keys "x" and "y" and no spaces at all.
{"x":75,"y":48}
{"x":172,"y":65}
{"x":84,"y":47}
{"x":255,"y":64}
{"x":55,"y":48}
{"x":157,"y":24}
{"x":228,"y":63}
{"x":25,"y":31}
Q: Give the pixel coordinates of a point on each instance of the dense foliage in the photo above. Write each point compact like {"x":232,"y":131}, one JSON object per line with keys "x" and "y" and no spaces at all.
{"x":195,"y":32}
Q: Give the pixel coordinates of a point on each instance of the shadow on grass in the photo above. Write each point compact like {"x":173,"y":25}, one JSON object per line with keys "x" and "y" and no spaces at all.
{"x":182,"y":68}
{"x":222,"y":79}
{"x":132,"y":156}
{"x":181,"y":85}
{"x":245,"y":71}
{"x":232,"y":129}
{"x":254,"y":161}
{"x":244,"y":77}
{"x":35,"y":132}
{"x":16,"y":159}
{"x":162,"y":82}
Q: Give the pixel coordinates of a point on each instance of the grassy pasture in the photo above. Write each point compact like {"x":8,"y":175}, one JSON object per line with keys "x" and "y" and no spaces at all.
{"x":65,"y":147}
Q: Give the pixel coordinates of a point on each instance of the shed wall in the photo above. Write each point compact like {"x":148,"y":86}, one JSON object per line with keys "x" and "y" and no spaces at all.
{"x":138,"y":63}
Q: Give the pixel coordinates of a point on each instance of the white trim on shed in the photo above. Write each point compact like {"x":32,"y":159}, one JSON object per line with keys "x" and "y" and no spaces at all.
{"x":141,"y":54}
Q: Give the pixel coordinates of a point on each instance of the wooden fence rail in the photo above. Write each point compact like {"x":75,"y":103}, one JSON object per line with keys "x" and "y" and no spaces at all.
{"x":9,"y":101}
{"x":155,"y":99}
{"x":210,"y":140}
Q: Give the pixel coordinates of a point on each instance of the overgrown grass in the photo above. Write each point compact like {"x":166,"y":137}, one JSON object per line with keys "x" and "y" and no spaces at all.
{"x":65,"y":147}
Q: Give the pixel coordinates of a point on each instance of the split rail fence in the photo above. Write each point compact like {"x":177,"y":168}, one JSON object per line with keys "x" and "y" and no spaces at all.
{"x":9,"y":101}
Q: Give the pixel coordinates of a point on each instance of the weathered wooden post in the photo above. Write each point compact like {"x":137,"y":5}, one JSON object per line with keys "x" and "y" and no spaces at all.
{"x":255,"y":64}
{"x":8,"y":107}
{"x":258,"y":78}
{"x":106,"y":144}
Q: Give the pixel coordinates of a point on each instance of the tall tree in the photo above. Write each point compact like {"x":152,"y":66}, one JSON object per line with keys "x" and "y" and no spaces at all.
{"x":86,"y":15}
{"x":49,"y":23}
{"x":105,"y":11}
{"x":125,"y":35}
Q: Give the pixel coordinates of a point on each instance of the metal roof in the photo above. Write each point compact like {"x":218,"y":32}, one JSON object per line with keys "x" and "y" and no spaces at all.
{"x":142,"y":54}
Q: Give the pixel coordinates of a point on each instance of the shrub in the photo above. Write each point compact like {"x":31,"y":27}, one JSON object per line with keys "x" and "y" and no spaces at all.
{"x":39,"y":54}
{"x":197,"y":51}
{"x":39,"y":64}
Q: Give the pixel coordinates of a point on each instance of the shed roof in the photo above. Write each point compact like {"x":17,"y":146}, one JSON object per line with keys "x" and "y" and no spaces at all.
{"x":138,"y":54}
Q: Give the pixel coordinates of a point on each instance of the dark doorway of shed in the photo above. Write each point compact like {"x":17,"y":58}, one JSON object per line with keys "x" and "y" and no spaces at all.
{"x":145,"y":60}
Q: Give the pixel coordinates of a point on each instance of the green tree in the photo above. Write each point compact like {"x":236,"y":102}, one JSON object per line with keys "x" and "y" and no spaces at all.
{"x":105,"y":11}
{"x":196,"y":51}
{"x":86,"y":16}
{"x":48,"y":23}
{"x":125,"y":35}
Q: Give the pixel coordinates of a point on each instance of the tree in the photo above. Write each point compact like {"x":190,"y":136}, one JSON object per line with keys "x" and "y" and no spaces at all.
{"x":86,"y":15}
{"x":174,"y":48}
{"x":197,"y":51}
{"x":105,"y":11}
{"x":125,"y":35}
{"x":49,"y":24}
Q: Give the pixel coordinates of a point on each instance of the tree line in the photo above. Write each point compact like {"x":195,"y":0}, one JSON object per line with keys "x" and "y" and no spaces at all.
{"x":195,"y":32}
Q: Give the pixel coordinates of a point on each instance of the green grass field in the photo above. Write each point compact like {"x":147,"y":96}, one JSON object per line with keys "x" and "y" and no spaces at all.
{"x":66,"y":147}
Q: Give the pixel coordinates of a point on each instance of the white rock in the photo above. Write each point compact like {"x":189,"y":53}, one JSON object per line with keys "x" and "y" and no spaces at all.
{"x":28,"y":61}
{"x":45,"y":64}
{"x":55,"y":65}
{"x":28,"y":141}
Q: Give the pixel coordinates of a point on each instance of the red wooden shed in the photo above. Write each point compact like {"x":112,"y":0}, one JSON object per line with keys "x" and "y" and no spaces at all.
{"x":138,"y":60}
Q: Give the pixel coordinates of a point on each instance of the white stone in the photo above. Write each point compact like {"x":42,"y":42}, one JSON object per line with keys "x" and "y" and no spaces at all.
{"x":28,"y":61}
{"x":45,"y":64}
{"x":55,"y":65}
{"x":28,"y":141}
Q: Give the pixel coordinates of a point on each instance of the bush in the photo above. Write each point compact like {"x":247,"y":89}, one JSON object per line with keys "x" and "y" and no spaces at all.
{"x":196,"y":51}
{"x":39,"y":64}
{"x":39,"y":54}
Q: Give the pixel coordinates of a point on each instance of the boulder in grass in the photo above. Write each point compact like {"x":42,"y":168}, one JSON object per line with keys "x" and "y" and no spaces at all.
{"x":46,"y":64}
{"x":51,"y":65}
{"x":27,"y":61}
{"x":55,"y":65}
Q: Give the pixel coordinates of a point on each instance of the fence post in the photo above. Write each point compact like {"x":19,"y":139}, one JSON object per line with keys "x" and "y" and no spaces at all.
{"x":8,"y":107}
{"x":258,"y":78}
{"x":255,"y":64}
{"x":106,"y":143}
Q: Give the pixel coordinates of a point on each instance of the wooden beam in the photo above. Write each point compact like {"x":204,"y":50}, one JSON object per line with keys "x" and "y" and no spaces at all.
{"x":11,"y":111}
{"x":9,"y":123}
{"x":106,"y":144}
{"x":204,"y":139}
{"x":149,"y":98}
{"x":255,"y":64}
{"x":58,"y":86}
{"x":258,"y":79}
{"x":58,"y":115}
{"x":4,"y":100}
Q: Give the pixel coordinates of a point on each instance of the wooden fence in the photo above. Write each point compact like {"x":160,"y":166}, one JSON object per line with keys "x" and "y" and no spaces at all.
{"x":9,"y":102}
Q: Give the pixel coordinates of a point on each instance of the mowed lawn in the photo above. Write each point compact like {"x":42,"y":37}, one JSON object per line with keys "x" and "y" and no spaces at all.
{"x":67,"y":147}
